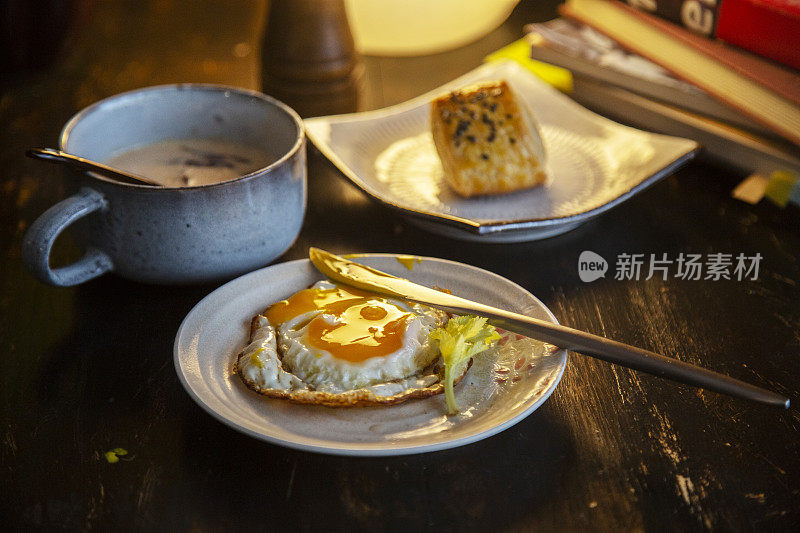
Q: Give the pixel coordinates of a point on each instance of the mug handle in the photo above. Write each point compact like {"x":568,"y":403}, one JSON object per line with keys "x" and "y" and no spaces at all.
{"x":43,"y":232}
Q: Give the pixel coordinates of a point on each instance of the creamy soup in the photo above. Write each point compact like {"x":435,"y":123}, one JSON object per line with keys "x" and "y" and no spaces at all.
{"x":189,"y":162}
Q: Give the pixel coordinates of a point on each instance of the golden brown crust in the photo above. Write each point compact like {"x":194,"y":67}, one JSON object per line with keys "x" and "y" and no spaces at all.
{"x":485,"y":141}
{"x":353,"y":398}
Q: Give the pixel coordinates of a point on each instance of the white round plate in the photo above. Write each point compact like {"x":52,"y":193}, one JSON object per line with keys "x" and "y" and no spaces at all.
{"x":500,"y":389}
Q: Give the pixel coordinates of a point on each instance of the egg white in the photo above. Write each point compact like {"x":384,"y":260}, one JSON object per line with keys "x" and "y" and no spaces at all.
{"x":260,"y":363}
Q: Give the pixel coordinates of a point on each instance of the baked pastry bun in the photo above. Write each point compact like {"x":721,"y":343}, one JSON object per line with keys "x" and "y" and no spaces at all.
{"x":487,"y":141}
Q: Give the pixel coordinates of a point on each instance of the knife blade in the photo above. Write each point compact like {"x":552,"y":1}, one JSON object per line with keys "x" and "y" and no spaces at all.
{"x":367,"y":278}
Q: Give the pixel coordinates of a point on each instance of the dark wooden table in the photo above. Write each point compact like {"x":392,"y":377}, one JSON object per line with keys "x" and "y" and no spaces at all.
{"x":87,"y":369}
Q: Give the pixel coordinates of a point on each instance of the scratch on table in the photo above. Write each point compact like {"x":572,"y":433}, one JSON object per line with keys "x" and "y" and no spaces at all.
{"x":698,"y":495}
{"x":600,"y":319}
{"x":702,"y":396}
{"x":784,"y":279}
{"x":783,"y":319}
{"x":655,"y":307}
{"x":666,"y":437}
{"x":738,"y":418}
{"x":593,"y":425}
{"x":687,"y":489}
{"x":780,"y":245}
{"x":622,"y":394}
{"x":773,"y":465}
{"x":619,"y":387}
{"x":693,"y":494}
{"x":149,"y":482}
{"x":636,"y":381}
{"x":765,"y":380}
{"x":291,"y":481}
{"x":760,"y":498}
{"x":95,"y":504}
{"x":356,"y":507}
{"x":692,"y":498}
{"x":10,"y":440}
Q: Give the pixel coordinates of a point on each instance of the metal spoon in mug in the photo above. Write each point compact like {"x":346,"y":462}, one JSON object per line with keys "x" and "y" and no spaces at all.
{"x":58,"y":156}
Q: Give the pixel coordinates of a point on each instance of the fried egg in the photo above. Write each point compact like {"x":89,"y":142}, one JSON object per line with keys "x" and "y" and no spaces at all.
{"x":337,"y":345}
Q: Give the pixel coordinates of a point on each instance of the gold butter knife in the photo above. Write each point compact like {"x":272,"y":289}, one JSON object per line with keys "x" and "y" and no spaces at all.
{"x":367,"y":278}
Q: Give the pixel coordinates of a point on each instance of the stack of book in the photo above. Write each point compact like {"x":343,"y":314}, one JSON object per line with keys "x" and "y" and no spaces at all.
{"x":728,"y":77}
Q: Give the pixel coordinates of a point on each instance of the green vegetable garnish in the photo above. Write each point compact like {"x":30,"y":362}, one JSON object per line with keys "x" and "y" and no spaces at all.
{"x":462,"y":338}
{"x":112,"y":456}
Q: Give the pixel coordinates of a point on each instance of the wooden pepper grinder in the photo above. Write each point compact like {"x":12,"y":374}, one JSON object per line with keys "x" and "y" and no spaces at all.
{"x":308,"y":57}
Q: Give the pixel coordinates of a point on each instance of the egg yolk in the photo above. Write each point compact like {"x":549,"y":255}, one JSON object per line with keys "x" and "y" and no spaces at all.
{"x":365,"y":325}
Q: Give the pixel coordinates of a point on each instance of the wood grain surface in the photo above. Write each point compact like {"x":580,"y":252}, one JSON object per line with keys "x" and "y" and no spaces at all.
{"x":85,"y":370}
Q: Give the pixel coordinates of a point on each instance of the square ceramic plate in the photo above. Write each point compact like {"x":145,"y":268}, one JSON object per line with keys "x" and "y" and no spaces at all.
{"x":592,"y":163}
{"x":503,"y":386}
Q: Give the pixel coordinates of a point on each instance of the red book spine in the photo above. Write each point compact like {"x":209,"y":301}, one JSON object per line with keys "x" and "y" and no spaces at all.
{"x":769,"y":28}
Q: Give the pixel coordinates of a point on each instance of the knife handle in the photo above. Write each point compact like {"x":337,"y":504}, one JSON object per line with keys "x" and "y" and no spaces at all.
{"x":621,"y":354}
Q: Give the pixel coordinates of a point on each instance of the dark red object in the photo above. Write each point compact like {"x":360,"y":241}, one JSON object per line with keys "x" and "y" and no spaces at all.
{"x":770,"y":28}
{"x":780,"y":78}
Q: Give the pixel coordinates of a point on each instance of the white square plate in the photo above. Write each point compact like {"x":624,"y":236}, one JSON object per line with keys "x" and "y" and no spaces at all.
{"x":592,"y":163}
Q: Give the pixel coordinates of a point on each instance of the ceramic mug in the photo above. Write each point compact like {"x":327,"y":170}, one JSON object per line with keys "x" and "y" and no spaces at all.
{"x":176,"y":235}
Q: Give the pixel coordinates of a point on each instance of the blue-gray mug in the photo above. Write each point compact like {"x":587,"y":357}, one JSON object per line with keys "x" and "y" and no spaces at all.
{"x":176,"y":235}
